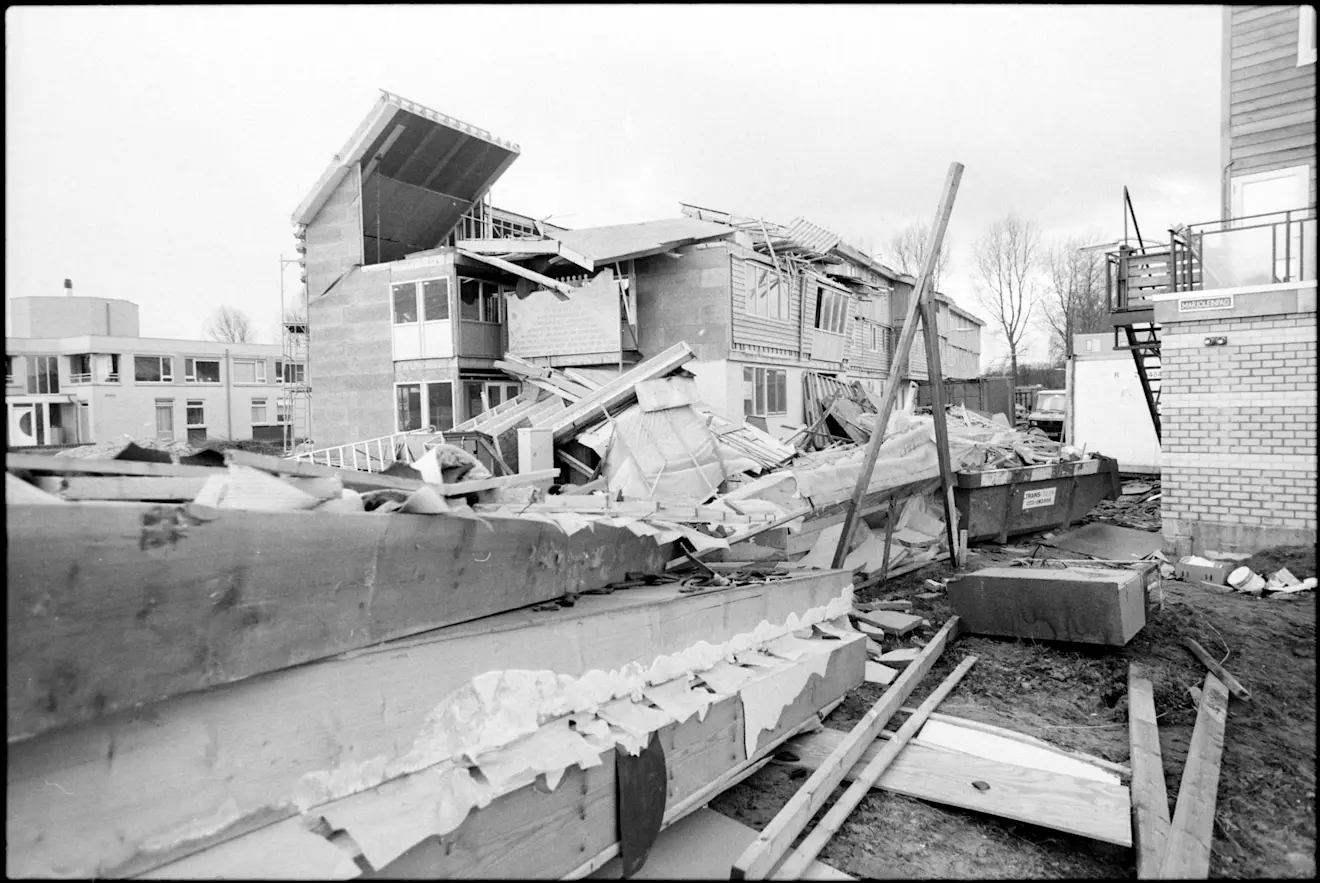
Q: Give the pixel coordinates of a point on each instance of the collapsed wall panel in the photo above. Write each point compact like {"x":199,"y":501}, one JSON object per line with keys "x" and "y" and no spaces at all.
{"x":139,"y":789}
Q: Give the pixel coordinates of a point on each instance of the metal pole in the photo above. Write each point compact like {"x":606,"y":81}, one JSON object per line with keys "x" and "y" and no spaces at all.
{"x":899,"y":363}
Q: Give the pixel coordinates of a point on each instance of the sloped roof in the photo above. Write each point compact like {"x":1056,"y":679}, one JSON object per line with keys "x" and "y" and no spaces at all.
{"x":432,"y":168}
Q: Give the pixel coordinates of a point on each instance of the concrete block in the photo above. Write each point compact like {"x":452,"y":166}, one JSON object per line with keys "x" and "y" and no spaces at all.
{"x":1089,"y":606}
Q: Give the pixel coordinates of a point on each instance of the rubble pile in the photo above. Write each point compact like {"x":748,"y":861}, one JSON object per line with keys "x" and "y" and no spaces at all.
{"x":1138,"y":507}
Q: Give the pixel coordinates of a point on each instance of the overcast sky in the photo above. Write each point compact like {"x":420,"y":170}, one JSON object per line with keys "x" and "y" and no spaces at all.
{"x":156,"y":153}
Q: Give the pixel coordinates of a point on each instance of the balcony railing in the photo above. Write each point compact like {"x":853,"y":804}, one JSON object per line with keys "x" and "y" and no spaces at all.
{"x":1273,"y":248}
{"x":85,"y":377}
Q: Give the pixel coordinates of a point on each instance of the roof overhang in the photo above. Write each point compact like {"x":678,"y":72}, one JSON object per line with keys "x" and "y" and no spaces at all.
{"x":421,"y":171}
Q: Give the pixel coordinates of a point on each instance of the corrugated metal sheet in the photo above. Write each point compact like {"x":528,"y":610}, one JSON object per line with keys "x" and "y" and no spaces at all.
{"x":810,"y":237}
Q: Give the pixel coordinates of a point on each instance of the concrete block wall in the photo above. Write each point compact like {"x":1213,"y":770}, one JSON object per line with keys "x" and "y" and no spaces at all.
{"x":334,"y":237}
{"x":351,"y":370}
{"x":685,"y":299}
{"x":1239,"y":431}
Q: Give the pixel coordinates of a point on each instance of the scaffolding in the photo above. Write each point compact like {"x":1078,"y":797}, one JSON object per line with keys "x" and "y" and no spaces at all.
{"x":294,"y":406}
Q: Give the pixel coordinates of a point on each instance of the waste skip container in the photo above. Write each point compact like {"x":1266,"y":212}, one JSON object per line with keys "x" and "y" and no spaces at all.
{"x":1000,"y":503}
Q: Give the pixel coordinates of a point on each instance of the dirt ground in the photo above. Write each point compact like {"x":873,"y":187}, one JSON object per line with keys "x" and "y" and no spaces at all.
{"x":1076,"y":696}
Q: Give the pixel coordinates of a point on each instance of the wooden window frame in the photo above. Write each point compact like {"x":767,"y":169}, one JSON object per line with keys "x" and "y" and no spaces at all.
{"x":769,"y":391}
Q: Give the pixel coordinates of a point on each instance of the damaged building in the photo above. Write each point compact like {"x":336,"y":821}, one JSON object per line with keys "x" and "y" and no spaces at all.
{"x":417,"y":286}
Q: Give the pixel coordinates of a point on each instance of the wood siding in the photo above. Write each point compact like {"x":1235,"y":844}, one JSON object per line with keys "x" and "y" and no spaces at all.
{"x":1270,"y":98}
{"x":761,"y":334}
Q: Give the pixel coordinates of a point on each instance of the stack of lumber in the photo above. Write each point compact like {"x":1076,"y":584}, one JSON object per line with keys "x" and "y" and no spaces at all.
{"x":267,"y":695}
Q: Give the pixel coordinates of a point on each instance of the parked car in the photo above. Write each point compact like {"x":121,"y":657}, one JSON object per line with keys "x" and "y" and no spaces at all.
{"x":1047,"y":415}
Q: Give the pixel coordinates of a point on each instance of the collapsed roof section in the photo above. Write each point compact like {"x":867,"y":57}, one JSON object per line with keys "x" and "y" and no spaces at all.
{"x":420,"y":172}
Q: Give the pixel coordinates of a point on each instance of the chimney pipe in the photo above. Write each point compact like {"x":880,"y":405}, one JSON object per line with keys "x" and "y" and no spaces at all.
{"x":68,"y":288}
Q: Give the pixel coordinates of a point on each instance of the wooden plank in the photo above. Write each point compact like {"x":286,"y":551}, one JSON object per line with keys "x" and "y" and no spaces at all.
{"x":560,"y":289}
{"x":761,"y":857}
{"x":133,"y":488}
{"x":95,"y":466}
{"x":1056,"y":801}
{"x":1284,"y":64}
{"x":993,"y":730}
{"x":618,"y":391}
{"x":1218,"y":670}
{"x":1150,"y":797}
{"x":458,"y":488}
{"x":1257,"y":55}
{"x":1244,"y":14}
{"x":1273,"y":134}
{"x":112,"y":604}
{"x":1187,"y":855}
{"x":161,"y":782}
{"x":1278,"y":96}
{"x":1266,"y":31}
{"x":901,"y":353}
{"x":811,"y":845}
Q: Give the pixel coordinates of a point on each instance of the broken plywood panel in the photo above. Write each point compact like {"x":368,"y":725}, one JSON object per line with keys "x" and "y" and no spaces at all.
{"x":1074,"y":805}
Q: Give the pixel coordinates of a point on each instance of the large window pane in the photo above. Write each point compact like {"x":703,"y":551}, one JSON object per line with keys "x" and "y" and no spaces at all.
{"x":469,"y":293}
{"x":405,"y":302}
{"x":435,"y":300}
{"x":146,"y":369}
{"x":245,"y":372}
{"x":410,"y":406}
{"x":440,"y":406}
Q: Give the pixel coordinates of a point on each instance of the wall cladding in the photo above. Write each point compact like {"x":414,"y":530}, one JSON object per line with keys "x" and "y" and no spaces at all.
{"x":685,"y":299}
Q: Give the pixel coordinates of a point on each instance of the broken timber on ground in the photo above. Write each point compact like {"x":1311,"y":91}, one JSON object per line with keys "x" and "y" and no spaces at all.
{"x":1150,"y":800}
{"x":761,"y":857}
{"x":166,"y":795}
{"x":113,"y":604}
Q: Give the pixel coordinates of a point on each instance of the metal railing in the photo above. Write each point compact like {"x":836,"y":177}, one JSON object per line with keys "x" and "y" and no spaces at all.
{"x":372,"y":455}
{"x":85,"y":377}
{"x":1276,"y":247}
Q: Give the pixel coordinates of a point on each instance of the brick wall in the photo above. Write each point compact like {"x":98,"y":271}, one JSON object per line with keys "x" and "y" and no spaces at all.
{"x":1239,"y":432}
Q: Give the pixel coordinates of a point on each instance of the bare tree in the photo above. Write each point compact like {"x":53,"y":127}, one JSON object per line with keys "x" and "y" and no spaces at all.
{"x":1074,"y":302}
{"x":230,"y":325}
{"x":1007,"y":259}
{"x":908,"y":248}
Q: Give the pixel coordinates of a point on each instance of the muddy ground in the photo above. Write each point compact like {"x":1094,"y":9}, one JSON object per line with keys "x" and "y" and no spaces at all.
{"x":1076,"y":696}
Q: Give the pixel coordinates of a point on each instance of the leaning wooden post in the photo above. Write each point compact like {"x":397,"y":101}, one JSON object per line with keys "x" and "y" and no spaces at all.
{"x":936,"y":377}
{"x":900,"y":359}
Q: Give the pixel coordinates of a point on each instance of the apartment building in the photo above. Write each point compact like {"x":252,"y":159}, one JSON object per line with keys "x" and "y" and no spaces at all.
{"x":77,"y":371}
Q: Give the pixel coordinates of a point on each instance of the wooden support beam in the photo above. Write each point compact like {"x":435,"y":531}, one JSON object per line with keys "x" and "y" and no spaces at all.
{"x":352,"y":478}
{"x":1150,"y":798}
{"x":929,"y":324}
{"x":813,"y":843}
{"x":1187,"y":853}
{"x":44,"y":463}
{"x":899,"y":362}
{"x":764,"y":854}
{"x":560,"y":289}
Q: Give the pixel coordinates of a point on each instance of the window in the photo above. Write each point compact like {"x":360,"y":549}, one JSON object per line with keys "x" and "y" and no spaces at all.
{"x":765,"y":391}
{"x":480,"y":301}
{"x":408,"y":400}
{"x":1305,"y":35}
{"x":831,"y":307}
{"x":165,"y":419}
{"x":249,"y":370}
{"x":201,"y":370}
{"x":111,"y":368}
{"x":153,"y":369}
{"x":405,"y":303}
{"x":43,"y":375}
{"x":493,"y":393}
{"x":281,"y":412}
{"x":290,"y":372}
{"x":9,"y":370}
{"x":435,"y":300}
{"x":260,"y":412}
{"x":195,"y":419}
{"x":767,"y":292}
{"x":440,"y":405}
{"x":80,"y":368}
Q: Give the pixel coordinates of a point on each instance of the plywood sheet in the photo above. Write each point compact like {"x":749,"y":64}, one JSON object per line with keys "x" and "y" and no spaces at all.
{"x":1092,"y":809}
{"x":1109,"y":543}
